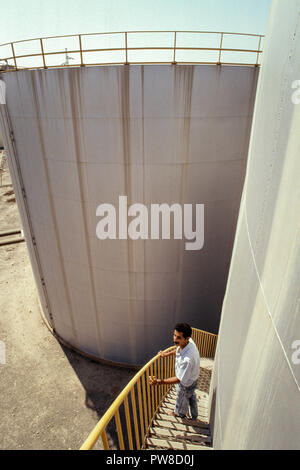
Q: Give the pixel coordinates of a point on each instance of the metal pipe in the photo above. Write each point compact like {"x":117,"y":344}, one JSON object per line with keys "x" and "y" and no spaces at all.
{"x":10,"y":232}
{"x":12,"y":241}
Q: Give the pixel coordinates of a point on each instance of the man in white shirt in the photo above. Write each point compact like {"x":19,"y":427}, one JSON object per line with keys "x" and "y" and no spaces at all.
{"x":187,"y":369}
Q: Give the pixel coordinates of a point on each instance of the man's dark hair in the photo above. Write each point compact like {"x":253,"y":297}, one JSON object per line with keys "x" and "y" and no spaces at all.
{"x":183,"y":328}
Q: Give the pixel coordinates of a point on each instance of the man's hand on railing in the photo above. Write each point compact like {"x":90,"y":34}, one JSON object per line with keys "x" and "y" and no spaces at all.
{"x":170,"y":381}
{"x":162,"y":354}
{"x":152,"y":380}
{"x":166,"y":354}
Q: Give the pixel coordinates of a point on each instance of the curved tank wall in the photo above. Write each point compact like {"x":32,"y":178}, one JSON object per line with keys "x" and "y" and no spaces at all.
{"x":256,"y":380}
{"x":158,"y":134}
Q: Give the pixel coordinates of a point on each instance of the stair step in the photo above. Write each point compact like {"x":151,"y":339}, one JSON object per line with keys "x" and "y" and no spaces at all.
{"x":155,"y":443}
{"x":174,"y":419}
{"x":172,"y":400}
{"x":171,"y":432}
{"x":198,"y":429}
{"x":165,"y":407}
{"x":177,"y":435}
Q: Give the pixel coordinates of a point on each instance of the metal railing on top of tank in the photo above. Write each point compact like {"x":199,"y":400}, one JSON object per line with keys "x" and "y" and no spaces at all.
{"x":132,"y":423}
{"x":126,"y":46}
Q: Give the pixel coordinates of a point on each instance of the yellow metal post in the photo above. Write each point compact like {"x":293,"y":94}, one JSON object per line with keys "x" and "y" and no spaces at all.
{"x":128,"y":424}
{"x":144,"y":403}
{"x":174,"y":62}
{"x":221,"y":43}
{"x":136,"y":428}
{"x":104,"y":440}
{"x":156,"y":388}
{"x":43,"y":56}
{"x":126,"y":50}
{"x":14,"y":55}
{"x":152,"y":397}
{"x":258,"y":49}
{"x":159,"y":376}
{"x":80,"y":48}
{"x":119,"y":430}
{"x":149,"y":398}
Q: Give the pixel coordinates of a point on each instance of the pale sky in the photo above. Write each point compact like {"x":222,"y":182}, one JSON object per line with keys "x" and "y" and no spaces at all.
{"x":25,"y":19}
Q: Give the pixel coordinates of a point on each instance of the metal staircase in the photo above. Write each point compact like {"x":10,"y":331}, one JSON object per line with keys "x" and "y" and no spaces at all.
{"x":138,"y":419}
{"x":169,"y":432}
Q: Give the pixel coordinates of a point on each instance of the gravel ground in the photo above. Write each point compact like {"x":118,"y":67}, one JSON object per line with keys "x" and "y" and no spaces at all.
{"x":51,"y":397}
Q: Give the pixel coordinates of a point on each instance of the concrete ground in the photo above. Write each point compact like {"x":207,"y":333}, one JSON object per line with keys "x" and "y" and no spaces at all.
{"x":51,"y":397}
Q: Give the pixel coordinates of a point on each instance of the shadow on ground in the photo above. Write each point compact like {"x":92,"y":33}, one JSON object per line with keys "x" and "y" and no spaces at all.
{"x":102,"y":384}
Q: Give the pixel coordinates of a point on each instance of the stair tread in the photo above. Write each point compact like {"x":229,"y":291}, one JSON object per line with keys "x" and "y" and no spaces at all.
{"x":165,"y":407}
{"x":175,"y":435}
{"x":171,"y":444}
{"x":172,"y":432}
{"x":179,"y":426}
{"x":174,"y":419}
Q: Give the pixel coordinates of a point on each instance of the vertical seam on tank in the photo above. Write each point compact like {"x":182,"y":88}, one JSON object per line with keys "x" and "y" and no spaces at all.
{"x":26,"y":212}
{"x":145,"y":342}
{"x":188,"y":74}
{"x":76,"y":116}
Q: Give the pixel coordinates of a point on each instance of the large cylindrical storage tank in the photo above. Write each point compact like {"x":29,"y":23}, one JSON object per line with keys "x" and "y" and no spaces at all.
{"x":256,"y":379}
{"x":80,"y":137}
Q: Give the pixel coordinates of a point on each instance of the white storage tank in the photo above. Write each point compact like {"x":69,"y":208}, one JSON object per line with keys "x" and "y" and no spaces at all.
{"x":256,"y":379}
{"x":80,"y":137}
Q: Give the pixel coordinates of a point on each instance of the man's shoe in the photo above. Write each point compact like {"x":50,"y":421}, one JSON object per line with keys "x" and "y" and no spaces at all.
{"x":190,"y":419}
{"x":172,"y":413}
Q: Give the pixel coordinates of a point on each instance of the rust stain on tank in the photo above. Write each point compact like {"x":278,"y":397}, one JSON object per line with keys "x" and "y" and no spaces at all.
{"x":183,"y":86}
{"x":77,"y":107}
{"x":124,"y":107}
{"x":145,"y":299}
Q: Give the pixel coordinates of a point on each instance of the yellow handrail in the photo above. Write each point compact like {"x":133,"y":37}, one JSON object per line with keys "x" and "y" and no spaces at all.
{"x":79,"y":49}
{"x":148,"y":398}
